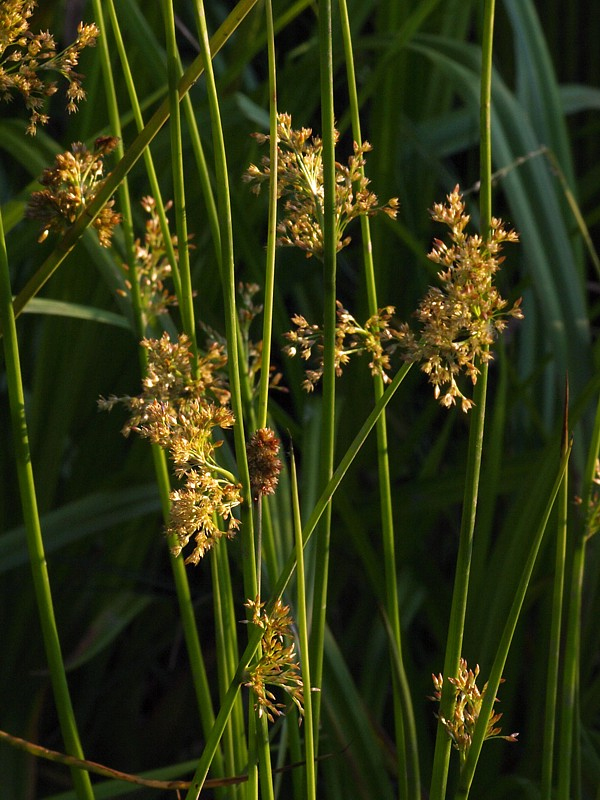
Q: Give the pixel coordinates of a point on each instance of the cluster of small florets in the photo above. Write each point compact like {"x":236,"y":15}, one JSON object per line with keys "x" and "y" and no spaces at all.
{"x":277,"y":664}
{"x":376,"y":338}
{"x":26,"y":59}
{"x":71,"y":185}
{"x":152,"y":265}
{"x":263,"y":465}
{"x":181,"y":408}
{"x":300,"y":184}
{"x":467,"y":708}
{"x":460,"y":320}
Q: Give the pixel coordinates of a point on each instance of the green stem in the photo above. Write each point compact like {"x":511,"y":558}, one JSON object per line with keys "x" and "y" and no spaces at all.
{"x":186,"y":609}
{"x":568,"y":734}
{"x":309,"y":746}
{"x":329,"y":324}
{"x":263,"y":395}
{"x":487,"y":706}
{"x":185,"y":298}
{"x":35,"y":544}
{"x":551,"y":711}
{"x":463,"y":567}
{"x":406,"y":745}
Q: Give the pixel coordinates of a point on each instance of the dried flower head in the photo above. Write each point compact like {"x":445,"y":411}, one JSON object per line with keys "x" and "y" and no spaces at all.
{"x":300,"y":184}
{"x":27,"y":59}
{"x":277,"y":664}
{"x":181,"y":409}
{"x":152,"y":265}
{"x":460,"y":320}
{"x":263,"y":464}
{"x":376,"y":338}
{"x":71,"y":185}
{"x":467,"y":708}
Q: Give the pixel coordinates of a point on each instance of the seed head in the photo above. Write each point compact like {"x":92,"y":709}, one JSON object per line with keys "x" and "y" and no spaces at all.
{"x":300,"y":184}
{"x":71,"y":185}
{"x":27,"y":59}
{"x":460,"y":320}
{"x":277,"y":665}
{"x":263,"y":464}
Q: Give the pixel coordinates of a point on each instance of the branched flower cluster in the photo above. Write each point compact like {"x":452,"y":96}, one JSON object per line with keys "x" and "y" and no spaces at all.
{"x":71,"y":185}
{"x":467,"y":709}
{"x":376,"y":337}
{"x":460,"y":320}
{"x":263,"y":464}
{"x":152,"y":266}
{"x":26,"y":58}
{"x":300,"y":184}
{"x":277,"y":665}
{"x":180,"y":410}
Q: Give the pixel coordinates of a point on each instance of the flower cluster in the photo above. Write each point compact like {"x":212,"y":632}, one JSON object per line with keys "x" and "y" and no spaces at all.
{"x":467,"y":708}
{"x":376,"y":337}
{"x":26,"y":57}
{"x":152,"y":266}
{"x":277,"y":664}
{"x":71,"y":185}
{"x":180,"y":409}
{"x":460,"y":320}
{"x":263,"y":464}
{"x":300,"y":184}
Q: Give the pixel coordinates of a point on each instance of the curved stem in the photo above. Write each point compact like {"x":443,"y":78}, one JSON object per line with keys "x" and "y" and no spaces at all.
{"x":33,"y":531}
{"x":463,"y":567}
{"x":329,"y":323}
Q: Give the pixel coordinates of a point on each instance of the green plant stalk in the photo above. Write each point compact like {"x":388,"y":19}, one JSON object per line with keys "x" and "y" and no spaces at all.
{"x":35,"y":544}
{"x":468,"y":770}
{"x":147,"y":154}
{"x":263,"y":394}
{"x":188,"y":621}
{"x":407,"y":748}
{"x":465,"y":549}
{"x":226,"y":640}
{"x":568,"y":733}
{"x":131,"y":157}
{"x":228,"y":701}
{"x":231,"y":328}
{"x":185,"y":299}
{"x":302,"y":620}
{"x":329,"y":323}
{"x":551,"y":711}
{"x":228,"y":279}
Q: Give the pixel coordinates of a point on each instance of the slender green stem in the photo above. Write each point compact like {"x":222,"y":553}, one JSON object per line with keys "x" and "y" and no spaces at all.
{"x":551,"y":711}
{"x":463,"y":567}
{"x":568,"y":734}
{"x":263,"y":396}
{"x":407,"y":748}
{"x":185,"y":298}
{"x":33,"y":531}
{"x":479,"y":733}
{"x":228,"y":278}
{"x":186,"y":609}
{"x":329,"y":323}
{"x":309,"y":746}
{"x":148,"y":161}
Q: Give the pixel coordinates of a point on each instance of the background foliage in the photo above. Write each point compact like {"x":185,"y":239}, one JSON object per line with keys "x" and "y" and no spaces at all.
{"x":418,"y":69}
